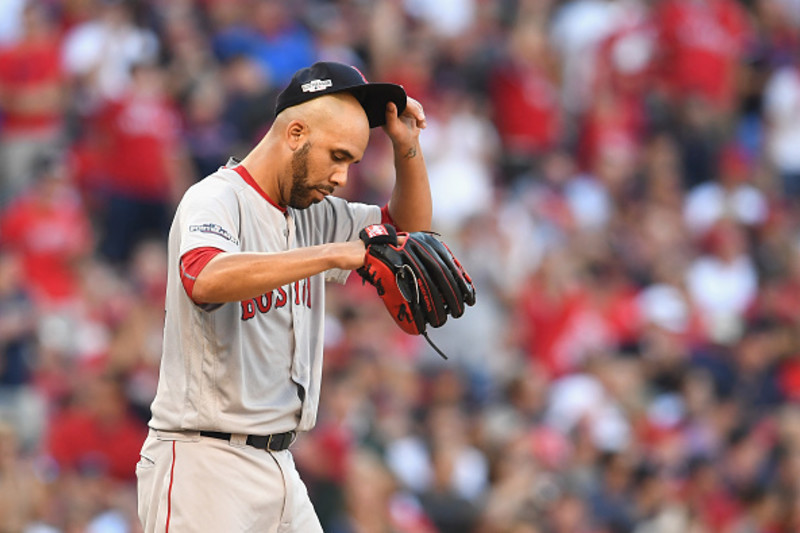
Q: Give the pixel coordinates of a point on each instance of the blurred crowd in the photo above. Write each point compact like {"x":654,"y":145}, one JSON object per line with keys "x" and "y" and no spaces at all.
{"x":620,"y":177}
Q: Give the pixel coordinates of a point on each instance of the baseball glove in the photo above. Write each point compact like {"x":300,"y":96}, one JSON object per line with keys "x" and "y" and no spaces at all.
{"x":418,"y":278}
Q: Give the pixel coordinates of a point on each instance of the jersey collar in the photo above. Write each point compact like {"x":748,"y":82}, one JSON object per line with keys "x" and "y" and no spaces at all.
{"x":248,"y":178}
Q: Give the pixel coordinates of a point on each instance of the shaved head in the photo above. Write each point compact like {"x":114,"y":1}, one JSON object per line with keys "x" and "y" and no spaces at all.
{"x":340,"y":111}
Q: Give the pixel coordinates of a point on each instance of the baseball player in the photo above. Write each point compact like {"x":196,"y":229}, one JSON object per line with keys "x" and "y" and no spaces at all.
{"x":249,"y":250}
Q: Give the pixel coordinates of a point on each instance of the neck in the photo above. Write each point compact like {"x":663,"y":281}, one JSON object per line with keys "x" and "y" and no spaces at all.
{"x":263,"y":163}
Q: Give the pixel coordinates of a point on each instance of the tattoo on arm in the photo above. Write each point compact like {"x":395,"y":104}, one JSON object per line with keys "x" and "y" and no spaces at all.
{"x":412,"y":153}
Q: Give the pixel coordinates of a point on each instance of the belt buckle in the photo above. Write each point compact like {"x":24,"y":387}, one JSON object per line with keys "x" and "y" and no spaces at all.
{"x":293,"y":436}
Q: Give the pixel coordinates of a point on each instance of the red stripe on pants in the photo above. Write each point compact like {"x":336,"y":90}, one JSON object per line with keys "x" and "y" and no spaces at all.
{"x":169,"y":492}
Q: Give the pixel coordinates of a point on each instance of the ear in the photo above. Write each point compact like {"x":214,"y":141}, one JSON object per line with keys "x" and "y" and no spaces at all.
{"x":296,"y":134}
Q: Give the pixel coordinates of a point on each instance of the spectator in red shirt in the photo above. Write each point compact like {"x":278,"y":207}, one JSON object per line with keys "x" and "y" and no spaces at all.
{"x":701,"y":45}
{"x":32,"y":99}
{"x":98,"y":432}
{"x":143,"y":165}
{"x":698,"y":66}
{"x":524,"y":98}
{"x":624,"y":60}
{"x":49,"y":227}
{"x":551,"y":309}
{"x":611,"y":127}
{"x":616,"y":118}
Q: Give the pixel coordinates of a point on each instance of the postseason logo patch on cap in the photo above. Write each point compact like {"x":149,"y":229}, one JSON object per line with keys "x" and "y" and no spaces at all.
{"x":316,"y":85}
{"x":326,"y":77}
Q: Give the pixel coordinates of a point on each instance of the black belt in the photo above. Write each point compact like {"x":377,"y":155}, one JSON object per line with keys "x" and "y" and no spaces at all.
{"x":275,"y":442}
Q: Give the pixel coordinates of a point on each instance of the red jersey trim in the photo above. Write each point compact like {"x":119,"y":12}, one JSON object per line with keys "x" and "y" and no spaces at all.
{"x":192,"y":262}
{"x":248,"y":178}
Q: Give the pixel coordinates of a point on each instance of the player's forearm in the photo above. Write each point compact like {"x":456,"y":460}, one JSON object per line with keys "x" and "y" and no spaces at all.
{"x":411,"y":205}
{"x":232,"y":277}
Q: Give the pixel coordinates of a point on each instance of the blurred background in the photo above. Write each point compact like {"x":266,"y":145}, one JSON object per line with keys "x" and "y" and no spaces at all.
{"x":620,"y":177}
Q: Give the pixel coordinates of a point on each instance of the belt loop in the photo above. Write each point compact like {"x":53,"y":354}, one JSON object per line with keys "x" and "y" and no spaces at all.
{"x":238,"y":439}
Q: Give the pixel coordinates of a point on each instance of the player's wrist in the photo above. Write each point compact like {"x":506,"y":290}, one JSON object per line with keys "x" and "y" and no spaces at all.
{"x":349,"y":255}
{"x":406,"y":148}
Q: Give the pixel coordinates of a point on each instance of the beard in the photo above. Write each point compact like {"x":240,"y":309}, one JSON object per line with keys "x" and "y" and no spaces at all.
{"x":301,"y":194}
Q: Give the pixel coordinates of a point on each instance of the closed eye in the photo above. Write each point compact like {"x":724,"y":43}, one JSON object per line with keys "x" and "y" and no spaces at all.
{"x":341,"y":156}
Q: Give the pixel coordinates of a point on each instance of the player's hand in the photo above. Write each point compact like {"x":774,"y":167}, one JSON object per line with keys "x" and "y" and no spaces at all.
{"x":351,"y":255}
{"x":404,"y":130}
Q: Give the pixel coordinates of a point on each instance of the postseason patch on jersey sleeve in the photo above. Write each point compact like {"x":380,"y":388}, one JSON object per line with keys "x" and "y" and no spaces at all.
{"x":214,"y":229}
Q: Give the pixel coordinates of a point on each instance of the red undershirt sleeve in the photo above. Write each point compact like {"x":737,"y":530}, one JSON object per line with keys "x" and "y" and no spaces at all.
{"x":192,"y":262}
{"x":386,"y":217}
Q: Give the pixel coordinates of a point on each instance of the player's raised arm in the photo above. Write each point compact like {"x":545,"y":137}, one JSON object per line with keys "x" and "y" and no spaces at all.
{"x":410,"y":206}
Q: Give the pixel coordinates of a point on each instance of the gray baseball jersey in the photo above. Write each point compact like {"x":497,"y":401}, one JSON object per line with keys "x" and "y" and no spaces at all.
{"x":255,"y":366}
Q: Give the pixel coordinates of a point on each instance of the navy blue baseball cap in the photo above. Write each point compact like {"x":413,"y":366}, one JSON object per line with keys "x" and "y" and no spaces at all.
{"x":327,"y":77}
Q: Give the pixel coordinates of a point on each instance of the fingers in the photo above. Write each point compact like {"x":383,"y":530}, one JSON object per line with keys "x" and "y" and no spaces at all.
{"x":413,"y":110}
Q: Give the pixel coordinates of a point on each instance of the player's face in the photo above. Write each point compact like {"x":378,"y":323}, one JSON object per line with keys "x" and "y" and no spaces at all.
{"x":320,"y":166}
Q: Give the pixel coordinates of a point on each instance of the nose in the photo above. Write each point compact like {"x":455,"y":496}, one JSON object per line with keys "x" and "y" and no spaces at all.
{"x":339,"y":178}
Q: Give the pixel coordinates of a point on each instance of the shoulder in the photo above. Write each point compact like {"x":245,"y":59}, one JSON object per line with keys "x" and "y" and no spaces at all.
{"x":223,"y":182}
{"x":220,"y":188}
